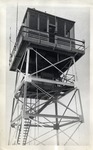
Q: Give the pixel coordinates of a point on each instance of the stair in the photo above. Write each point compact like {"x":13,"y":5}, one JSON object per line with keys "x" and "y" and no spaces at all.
{"x":27,"y":123}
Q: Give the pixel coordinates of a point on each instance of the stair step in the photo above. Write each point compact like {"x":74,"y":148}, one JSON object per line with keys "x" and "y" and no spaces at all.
{"x":27,"y":122}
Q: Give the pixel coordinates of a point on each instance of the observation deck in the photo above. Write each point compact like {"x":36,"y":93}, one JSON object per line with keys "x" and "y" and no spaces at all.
{"x":48,"y":34}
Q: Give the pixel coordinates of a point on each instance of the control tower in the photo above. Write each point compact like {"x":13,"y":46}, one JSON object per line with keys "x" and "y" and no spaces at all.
{"x":44,"y":57}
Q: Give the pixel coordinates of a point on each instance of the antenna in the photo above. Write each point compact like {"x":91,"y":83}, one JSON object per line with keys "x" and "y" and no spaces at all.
{"x":10,"y":41}
{"x":17,"y":20}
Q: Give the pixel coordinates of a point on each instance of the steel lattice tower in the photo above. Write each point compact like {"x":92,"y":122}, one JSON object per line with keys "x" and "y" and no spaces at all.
{"x":44,"y":58}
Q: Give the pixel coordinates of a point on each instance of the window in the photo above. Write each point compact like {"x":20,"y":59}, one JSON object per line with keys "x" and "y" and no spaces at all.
{"x":43,"y":22}
{"x":33,"y":20}
{"x":51,"y":33}
{"x":69,"y":29}
{"x":72,"y":32}
{"x":52,"y":20}
{"x":60,"y":27}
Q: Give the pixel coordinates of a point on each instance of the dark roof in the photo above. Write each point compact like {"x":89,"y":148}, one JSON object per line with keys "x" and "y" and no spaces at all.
{"x":33,"y":9}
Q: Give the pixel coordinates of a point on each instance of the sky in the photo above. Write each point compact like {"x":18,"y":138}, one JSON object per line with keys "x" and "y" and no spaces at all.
{"x":82,"y":32}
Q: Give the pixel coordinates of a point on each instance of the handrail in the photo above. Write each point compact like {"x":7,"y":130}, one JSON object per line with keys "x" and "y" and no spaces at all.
{"x":39,"y":34}
{"x":45,"y":37}
{"x":56,"y":36}
{"x":48,"y":33}
{"x":38,"y":31}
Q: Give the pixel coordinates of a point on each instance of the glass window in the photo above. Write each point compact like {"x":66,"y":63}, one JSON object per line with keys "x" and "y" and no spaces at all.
{"x":33,"y":20}
{"x":60,"y":27}
{"x":43,"y":22}
{"x":69,"y":29}
{"x":52,"y":20}
{"x":72,"y":32}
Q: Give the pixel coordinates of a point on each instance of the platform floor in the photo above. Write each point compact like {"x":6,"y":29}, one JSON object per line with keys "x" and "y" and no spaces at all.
{"x":46,"y":88}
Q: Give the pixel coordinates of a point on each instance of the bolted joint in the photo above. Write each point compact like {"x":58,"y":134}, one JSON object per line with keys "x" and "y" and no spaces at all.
{"x":56,"y":126}
{"x":25,"y":115}
{"x":55,"y":100}
{"x":13,"y":125}
{"x":81,"y":119}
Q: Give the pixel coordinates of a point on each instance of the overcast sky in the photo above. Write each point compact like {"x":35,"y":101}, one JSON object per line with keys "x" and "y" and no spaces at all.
{"x":82,"y":26}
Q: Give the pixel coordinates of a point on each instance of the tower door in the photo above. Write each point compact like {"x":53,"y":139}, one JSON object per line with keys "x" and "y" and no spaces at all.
{"x":51,"y":34}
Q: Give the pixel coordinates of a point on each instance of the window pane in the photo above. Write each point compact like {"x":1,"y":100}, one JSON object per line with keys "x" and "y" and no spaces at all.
{"x":33,"y":21}
{"x":43,"y":23}
{"x":72,"y":32}
{"x":52,"y":20}
{"x":60,"y":27}
{"x":69,"y":29}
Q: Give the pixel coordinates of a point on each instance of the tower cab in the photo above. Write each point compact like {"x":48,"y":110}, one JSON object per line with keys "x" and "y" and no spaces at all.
{"x":51,"y":36}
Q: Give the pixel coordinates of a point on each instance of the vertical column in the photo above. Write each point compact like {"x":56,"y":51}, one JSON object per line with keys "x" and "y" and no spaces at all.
{"x":82,"y":116}
{"x":73,"y":31}
{"x":57,"y":125}
{"x":47,"y":24}
{"x":38,"y":25}
{"x":48,"y":28}
{"x":25,"y":95}
{"x":25,"y":85}
{"x":27,"y":19}
{"x":36,"y":100}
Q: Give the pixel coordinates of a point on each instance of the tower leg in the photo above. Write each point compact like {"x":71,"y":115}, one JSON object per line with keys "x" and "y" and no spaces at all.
{"x":57,"y":124}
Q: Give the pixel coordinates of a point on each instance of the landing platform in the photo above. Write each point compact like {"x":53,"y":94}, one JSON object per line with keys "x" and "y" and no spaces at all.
{"x":46,"y":88}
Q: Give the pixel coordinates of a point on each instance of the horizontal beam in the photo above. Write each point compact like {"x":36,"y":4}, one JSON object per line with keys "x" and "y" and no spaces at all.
{"x":30,"y":79}
{"x":48,"y":126}
{"x":71,"y":122}
{"x":52,"y":116}
{"x":34,"y":125}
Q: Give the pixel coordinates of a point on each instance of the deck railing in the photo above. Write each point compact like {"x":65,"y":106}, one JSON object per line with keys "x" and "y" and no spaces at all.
{"x":43,"y":38}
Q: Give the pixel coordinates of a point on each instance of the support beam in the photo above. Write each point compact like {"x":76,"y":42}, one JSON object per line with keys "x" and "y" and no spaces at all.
{"x":31,"y":79}
{"x":16,"y":119}
{"x":71,"y":122}
{"x":37,"y":125}
{"x":58,"y":62}
{"x":52,"y":116}
{"x":68,"y":104}
{"x":25,"y":85}
{"x":72,"y":134}
{"x":57,"y":124}
{"x":67,"y":108}
{"x":41,"y":109}
{"x":81,"y":106}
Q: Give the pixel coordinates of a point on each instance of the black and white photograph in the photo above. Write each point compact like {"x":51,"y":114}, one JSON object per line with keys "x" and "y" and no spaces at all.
{"x":47,"y":76}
